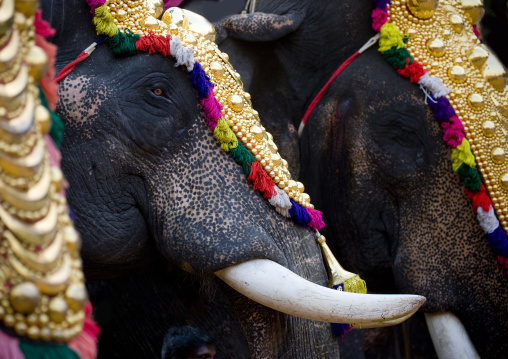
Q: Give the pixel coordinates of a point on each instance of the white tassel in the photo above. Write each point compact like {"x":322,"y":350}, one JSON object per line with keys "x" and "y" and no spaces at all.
{"x":281,"y":202}
{"x":434,"y":85}
{"x":182,"y":55}
{"x":488,"y":220}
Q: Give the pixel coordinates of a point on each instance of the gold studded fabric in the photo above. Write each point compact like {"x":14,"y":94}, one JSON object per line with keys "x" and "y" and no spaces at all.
{"x":442,"y":38}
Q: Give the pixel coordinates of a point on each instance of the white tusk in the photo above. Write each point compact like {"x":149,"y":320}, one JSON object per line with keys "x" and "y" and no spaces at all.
{"x":386,"y":323}
{"x":450,"y":337}
{"x":276,"y":287}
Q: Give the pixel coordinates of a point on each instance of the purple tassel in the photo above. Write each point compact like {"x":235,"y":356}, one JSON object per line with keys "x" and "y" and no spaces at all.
{"x":498,"y":241}
{"x":298,"y":214}
{"x":441,"y":109}
{"x":340,"y":329}
{"x":200,"y":81}
{"x":382,"y":4}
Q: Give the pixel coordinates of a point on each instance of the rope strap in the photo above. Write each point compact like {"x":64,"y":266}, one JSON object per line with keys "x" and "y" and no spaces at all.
{"x":337,"y":72}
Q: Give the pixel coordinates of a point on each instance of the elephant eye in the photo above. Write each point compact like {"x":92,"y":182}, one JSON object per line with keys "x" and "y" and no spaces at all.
{"x":158,"y":92}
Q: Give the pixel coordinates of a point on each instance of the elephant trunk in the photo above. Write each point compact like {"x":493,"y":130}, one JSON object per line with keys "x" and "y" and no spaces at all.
{"x":276,"y":287}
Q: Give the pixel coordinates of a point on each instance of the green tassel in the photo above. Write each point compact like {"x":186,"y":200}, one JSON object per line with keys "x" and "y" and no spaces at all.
{"x":243,"y":157}
{"x":397,"y":57}
{"x":33,"y":350}
{"x":123,"y":43}
{"x":470,"y":177}
{"x":57,"y":126}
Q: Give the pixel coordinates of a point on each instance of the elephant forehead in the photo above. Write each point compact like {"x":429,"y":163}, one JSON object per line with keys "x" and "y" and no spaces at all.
{"x":80,"y":100}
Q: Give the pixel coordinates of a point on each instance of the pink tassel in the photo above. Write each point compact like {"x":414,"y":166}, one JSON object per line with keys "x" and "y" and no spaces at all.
{"x":54,"y":154}
{"x":9,"y":347}
{"x":503,"y":261}
{"x":212,"y":109}
{"x":85,"y":346}
{"x":171,"y":3}
{"x":48,"y":84}
{"x":453,"y":131}
{"x":379,"y":18}
{"x":316,"y":221}
{"x":90,"y":327}
{"x":94,"y":4}
{"x":476,"y":32}
{"x":42,"y":27}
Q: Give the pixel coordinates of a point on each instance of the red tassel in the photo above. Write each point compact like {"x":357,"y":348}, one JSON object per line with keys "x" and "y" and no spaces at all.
{"x":413,"y":71}
{"x":480,"y":199}
{"x":154,"y":44}
{"x":261,"y":181}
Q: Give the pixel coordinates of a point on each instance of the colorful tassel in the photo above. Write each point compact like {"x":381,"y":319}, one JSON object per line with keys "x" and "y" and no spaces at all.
{"x":93,"y":4}
{"x":225,"y":136}
{"x":9,"y":347}
{"x":470,"y":177}
{"x":453,"y":132}
{"x":34,"y":350}
{"x":123,"y":43}
{"x":379,"y":18}
{"x":42,"y":27}
{"x":413,"y":71}
{"x":316,"y":219}
{"x":154,"y":44}
{"x":243,"y":157}
{"x":390,"y":37}
{"x":212,"y":109}
{"x":261,"y":181}
{"x":299,"y":215}
{"x":103,"y":21}
{"x":462,"y":154}
{"x":200,"y":80}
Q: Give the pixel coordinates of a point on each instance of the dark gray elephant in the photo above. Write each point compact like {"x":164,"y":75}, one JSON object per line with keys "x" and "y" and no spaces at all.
{"x":161,"y":209}
{"x":372,"y":159}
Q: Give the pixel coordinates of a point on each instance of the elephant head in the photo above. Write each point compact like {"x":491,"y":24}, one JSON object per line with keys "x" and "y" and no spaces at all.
{"x":161,"y":209}
{"x":373,"y":158}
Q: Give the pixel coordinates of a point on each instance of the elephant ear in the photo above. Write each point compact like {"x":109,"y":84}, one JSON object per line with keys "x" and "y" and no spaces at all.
{"x":261,"y":26}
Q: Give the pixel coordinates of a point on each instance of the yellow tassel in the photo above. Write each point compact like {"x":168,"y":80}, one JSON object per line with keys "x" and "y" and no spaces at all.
{"x":225,"y":136}
{"x":462,"y":154}
{"x":103,"y":22}
{"x":390,"y":37}
{"x":338,"y":275}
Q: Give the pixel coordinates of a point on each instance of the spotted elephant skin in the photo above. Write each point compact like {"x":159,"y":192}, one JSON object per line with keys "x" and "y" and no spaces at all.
{"x":161,"y":208}
{"x":372,"y":159}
